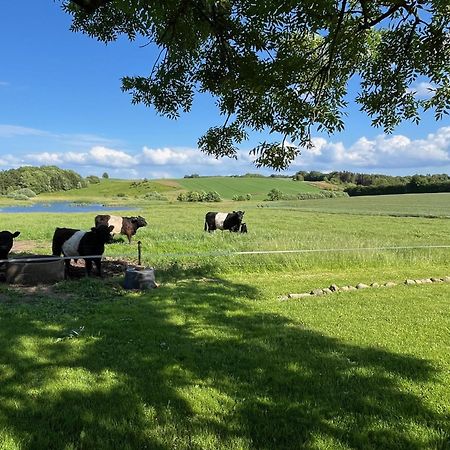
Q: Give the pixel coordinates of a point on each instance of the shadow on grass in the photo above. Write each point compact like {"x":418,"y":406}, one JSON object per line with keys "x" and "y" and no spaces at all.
{"x":196,"y":365}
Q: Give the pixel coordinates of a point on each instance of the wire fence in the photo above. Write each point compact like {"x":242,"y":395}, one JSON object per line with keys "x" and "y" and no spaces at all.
{"x":224,"y":253}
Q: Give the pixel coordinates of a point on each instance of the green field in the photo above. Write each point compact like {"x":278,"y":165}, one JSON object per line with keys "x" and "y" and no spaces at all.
{"x":114,"y":191}
{"x":257,"y":187}
{"x":414,"y":205}
{"x":212,"y":359}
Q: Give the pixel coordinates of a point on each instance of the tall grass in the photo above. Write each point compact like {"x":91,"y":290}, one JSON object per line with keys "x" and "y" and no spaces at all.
{"x":327,"y":242}
{"x":212,"y":359}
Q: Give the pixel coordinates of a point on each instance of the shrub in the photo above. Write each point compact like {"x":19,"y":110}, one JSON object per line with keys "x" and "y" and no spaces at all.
{"x":275,"y":194}
{"x":92,"y":179}
{"x":211,"y":196}
{"x":153,"y":195}
{"x":194,"y":196}
{"x":27,"y":192}
{"x":17,"y":196}
{"x":321,"y":194}
{"x":242,"y":197}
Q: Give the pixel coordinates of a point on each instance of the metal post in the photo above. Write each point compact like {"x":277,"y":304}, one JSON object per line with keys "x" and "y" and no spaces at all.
{"x":139,"y":252}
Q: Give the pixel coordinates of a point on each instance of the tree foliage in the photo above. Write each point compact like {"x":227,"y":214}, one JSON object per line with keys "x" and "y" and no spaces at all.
{"x":39,"y":179}
{"x":281,"y":66}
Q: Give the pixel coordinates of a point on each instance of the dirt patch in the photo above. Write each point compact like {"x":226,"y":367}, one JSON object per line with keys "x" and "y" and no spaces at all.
{"x":169,"y":183}
{"x":110,"y":268}
{"x":24,"y":246}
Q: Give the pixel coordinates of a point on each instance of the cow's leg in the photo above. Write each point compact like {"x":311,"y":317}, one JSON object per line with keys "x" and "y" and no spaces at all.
{"x":88,"y":264}
{"x":67,"y":268}
{"x":98,"y":265}
{"x":129,"y":238}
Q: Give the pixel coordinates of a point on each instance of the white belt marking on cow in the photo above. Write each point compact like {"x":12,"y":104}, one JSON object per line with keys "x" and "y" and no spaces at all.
{"x":70,"y":247}
{"x":116,"y":222}
{"x":220,"y":219}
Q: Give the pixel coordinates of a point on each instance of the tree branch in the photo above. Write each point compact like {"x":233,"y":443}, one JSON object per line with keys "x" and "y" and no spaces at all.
{"x":90,"y":6}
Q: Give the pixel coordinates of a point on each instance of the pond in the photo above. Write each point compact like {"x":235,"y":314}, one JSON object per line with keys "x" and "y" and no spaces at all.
{"x":63,"y":207}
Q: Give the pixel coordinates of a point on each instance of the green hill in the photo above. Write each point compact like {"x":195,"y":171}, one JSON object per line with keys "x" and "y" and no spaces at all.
{"x":258,"y":187}
{"x":227,"y":187}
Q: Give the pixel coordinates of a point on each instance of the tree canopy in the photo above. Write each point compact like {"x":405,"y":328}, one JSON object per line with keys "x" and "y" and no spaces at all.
{"x":281,"y":66}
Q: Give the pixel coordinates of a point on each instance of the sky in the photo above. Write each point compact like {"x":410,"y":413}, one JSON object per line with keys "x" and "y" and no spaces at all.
{"x":61,"y":104}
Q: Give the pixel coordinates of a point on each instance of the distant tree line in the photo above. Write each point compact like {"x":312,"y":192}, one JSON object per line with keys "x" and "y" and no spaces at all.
{"x":39,"y":179}
{"x":378,"y":184}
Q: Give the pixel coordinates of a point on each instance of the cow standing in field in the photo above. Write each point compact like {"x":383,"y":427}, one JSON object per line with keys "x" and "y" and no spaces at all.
{"x":78,"y":243}
{"x":6,"y":242}
{"x":224,"y":221}
{"x":122,"y":225}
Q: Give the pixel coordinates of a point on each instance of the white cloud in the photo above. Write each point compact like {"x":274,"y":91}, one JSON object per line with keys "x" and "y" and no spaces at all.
{"x":179,"y":156}
{"x":109,"y":157}
{"x":76,"y":158}
{"x":44,"y":158}
{"x":11,"y":131}
{"x":9,"y":161}
{"x":381,"y":152}
{"x":392,"y":153}
{"x":423,"y":89}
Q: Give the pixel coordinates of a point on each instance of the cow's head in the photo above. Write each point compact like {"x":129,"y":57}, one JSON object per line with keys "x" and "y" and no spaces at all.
{"x":103,"y":233}
{"x":138,"y":222}
{"x":240,"y":215}
{"x":6,"y":242}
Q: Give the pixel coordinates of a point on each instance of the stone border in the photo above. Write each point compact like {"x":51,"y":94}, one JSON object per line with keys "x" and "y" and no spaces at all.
{"x":334,"y":288}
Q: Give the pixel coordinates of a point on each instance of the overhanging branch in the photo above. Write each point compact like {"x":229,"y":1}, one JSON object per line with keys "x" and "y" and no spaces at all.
{"x":90,"y":6}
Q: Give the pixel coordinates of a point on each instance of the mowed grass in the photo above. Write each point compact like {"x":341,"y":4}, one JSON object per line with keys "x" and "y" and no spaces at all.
{"x":415,"y":205}
{"x":212,"y":359}
{"x":258,"y":187}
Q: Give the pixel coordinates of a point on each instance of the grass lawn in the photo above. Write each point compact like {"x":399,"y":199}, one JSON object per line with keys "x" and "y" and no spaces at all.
{"x":212,"y":359}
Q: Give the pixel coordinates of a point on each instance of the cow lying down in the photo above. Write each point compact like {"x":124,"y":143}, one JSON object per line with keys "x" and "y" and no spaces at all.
{"x":122,"y":225}
{"x":224,"y":221}
{"x":78,"y":243}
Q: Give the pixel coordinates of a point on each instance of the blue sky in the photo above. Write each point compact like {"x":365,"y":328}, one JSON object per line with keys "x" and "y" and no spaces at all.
{"x":61,"y":104}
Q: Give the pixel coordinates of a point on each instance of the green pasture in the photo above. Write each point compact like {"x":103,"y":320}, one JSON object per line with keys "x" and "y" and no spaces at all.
{"x":116,"y":191}
{"x":415,"y":205}
{"x":257,"y":187}
{"x":212,"y":359}
{"x":110,"y":191}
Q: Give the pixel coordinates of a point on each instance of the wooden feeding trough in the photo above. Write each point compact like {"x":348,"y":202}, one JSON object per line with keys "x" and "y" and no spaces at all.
{"x":36,"y":269}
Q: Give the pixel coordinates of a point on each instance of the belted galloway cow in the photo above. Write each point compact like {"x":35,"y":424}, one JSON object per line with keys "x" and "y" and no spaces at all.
{"x":6,"y":242}
{"x":122,"y":225}
{"x":224,"y":221}
{"x":78,"y":243}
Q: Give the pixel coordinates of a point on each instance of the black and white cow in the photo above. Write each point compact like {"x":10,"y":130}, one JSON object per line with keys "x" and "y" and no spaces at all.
{"x":224,"y":221}
{"x":78,"y":243}
{"x":122,"y":225}
{"x":6,"y":242}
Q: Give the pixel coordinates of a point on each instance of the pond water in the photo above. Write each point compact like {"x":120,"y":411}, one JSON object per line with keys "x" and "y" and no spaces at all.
{"x":63,"y":207}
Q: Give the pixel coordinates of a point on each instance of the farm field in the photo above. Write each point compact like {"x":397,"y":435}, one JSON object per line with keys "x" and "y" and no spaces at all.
{"x":256,"y":186}
{"x":212,"y":359}
{"x":115,"y":191}
{"x":420,"y":205}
